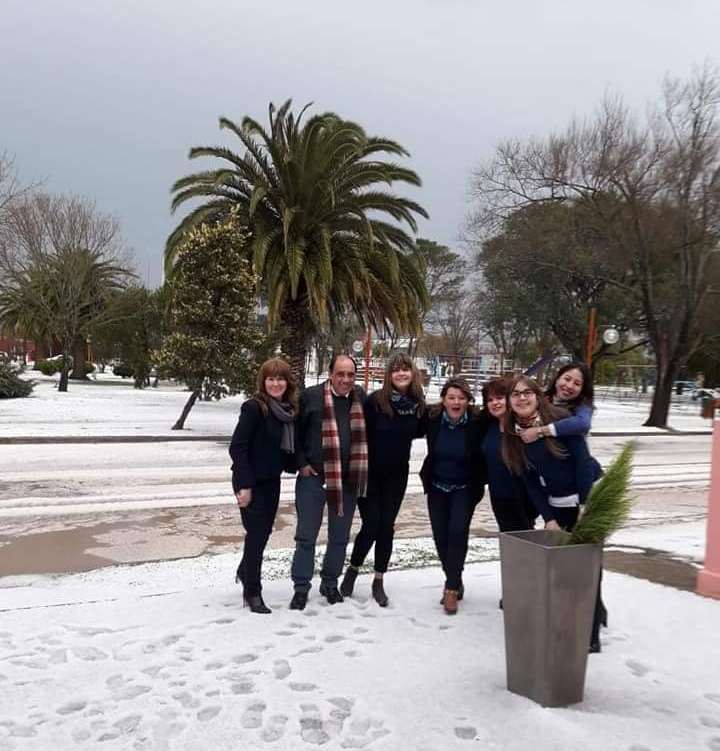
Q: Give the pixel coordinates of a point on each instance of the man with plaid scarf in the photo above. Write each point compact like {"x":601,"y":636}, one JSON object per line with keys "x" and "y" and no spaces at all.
{"x":331,"y":454}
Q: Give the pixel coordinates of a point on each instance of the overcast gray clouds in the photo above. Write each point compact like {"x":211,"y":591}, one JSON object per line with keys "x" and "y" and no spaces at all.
{"x":105,"y":98}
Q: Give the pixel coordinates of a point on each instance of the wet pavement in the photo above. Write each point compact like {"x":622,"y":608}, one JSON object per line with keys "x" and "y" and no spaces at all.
{"x":77,"y":542}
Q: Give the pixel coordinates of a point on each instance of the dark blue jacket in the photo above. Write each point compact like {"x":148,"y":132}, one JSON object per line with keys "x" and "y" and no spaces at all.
{"x":255,"y":448}
{"x":474,"y":460}
{"x":578,"y":423}
{"x":552,"y":476}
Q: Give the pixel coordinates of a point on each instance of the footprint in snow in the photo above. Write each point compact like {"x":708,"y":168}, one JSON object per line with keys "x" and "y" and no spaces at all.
{"x":285,"y":633}
{"x":208,"y":713}
{"x":637,"y":668}
{"x":714,"y":743}
{"x":252,"y":716}
{"x":243,"y":687}
{"x":466,"y":732}
{"x":303,"y":687}
{"x":352,"y":653}
{"x":128,"y":724}
{"x":710,"y":722}
{"x":334,"y":638}
{"x":274,"y":729}
{"x":281,"y":669}
{"x":71,"y":707}
{"x":243,"y":659}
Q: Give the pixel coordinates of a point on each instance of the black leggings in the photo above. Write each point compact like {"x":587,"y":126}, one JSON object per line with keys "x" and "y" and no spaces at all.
{"x":258,"y":519}
{"x":511,"y":514}
{"x":567,"y":518}
{"x":450,"y":516}
{"x":378,"y":512}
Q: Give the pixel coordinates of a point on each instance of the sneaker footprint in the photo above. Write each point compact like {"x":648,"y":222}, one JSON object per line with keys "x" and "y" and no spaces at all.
{"x":312,"y":728}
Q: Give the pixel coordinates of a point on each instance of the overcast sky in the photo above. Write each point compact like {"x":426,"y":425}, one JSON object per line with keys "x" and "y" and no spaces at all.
{"x":104,"y":97}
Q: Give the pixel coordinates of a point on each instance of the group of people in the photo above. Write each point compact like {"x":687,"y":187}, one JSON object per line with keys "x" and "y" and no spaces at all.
{"x":527,"y":446}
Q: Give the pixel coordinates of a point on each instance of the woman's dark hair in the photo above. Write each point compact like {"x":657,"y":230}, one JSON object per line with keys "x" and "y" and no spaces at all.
{"x":587,"y":392}
{"x":277,"y":367}
{"x":453,"y":383}
{"x":496,"y":387}
{"x":513,"y":448}
{"x":400,"y":361}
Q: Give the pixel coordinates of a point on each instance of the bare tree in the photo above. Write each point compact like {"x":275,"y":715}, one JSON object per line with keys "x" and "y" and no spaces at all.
{"x":653,"y":190}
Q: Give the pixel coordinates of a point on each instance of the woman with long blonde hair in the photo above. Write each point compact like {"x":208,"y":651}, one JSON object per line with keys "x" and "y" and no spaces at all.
{"x":262,"y":447}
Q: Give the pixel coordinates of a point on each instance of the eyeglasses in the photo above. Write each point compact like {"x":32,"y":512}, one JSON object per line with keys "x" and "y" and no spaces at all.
{"x":526,"y":394}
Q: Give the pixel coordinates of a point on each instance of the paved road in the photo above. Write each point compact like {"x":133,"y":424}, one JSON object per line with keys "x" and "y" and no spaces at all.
{"x":51,"y":479}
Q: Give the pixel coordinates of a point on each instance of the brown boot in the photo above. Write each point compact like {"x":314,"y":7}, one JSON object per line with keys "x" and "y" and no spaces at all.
{"x":450,"y":601}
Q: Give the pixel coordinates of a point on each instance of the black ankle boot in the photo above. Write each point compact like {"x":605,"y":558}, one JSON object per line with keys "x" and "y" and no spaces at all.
{"x":331,"y":594}
{"x":256,"y":604}
{"x":299,"y":601}
{"x":348,"y":583}
{"x":378,"y":593}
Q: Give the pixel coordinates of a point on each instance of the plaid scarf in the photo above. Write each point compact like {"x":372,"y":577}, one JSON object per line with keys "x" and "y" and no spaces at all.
{"x":332,"y":463}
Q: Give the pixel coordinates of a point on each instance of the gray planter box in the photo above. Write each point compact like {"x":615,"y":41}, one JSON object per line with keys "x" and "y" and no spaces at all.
{"x":548,"y":594}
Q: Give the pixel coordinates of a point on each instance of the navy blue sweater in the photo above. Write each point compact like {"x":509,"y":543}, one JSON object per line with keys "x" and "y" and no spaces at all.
{"x":558,"y":477}
{"x":255,"y":448}
{"x":501,"y":482}
{"x":389,"y":438}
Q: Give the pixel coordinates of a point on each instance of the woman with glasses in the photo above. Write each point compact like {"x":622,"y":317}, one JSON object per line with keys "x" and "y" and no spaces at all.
{"x":454,"y":477}
{"x":393,"y":418}
{"x":558,"y":473}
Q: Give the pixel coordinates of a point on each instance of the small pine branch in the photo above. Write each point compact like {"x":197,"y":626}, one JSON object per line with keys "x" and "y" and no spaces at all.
{"x":608,"y":506}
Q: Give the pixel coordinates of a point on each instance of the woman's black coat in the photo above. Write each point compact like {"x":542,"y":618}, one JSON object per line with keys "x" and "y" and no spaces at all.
{"x":475,"y":430}
{"x":255,"y":448}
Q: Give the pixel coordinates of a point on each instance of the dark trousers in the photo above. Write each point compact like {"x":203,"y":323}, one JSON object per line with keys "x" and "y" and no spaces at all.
{"x":258,"y":519}
{"x":450,"y":516}
{"x":566,"y":518}
{"x":511,"y":514}
{"x":310,"y":503}
{"x":378,"y":511}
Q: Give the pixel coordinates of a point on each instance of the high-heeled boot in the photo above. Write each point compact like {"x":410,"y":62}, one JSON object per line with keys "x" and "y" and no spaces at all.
{"x":378,"y":593}
{"x":256,"y":604}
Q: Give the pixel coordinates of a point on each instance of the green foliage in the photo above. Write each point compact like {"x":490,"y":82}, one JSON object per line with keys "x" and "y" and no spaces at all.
{"x":608,"y":506}
{"x":327,"y":238}
{"x":214,"y":339}
{"x":49,"y":367}
{"x":11,"y":385}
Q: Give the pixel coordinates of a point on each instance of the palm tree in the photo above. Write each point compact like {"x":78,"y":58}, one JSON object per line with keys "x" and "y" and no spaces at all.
{"x":327,"y":242}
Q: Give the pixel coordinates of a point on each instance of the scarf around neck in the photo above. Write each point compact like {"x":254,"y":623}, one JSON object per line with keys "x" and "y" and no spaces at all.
{"x":521,"y":423}
{"x":283,"y":412}
{"x":332,"y":460}
{"x":403,"y":404}
{"x":452,"y":425}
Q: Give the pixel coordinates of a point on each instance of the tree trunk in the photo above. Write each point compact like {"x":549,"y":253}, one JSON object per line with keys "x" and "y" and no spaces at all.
{"x":662,"y":396}
{"x":293,"y":319}
{"x":180,"y":424}
{"x":78,"y":354}
{"x":42,"y":351}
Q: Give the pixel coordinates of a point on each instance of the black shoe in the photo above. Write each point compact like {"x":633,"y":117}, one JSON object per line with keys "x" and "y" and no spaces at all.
{"x":594,"y":647}
{"x":299,"y":601}
{"x":348,"y":582}
{"x":378,"y":593}
{"x":500,"y":604}
{"x":331,"y":594}
{"x":256,"y":604}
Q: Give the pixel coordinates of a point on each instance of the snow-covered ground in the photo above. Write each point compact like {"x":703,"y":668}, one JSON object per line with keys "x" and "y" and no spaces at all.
{"x":112,"y":407}
{"x":163,"y":656}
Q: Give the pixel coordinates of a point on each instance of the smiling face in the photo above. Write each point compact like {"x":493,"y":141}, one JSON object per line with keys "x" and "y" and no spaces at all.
{"x":523,"y":400}
{"x":456,"y":403}
{"x":401,"y":378}
{"x":276,"y":386}
{"x":342,"y":376}
{"x":569,"y":385}
{"x":497,"y":405}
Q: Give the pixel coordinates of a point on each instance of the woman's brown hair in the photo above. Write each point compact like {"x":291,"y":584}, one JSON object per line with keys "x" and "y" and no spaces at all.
{"x":513,"y":447}
{"x":496,"y":387}
{"x":275,"y":367}
{"x":453,"y":383}
{"x":400,"y":361}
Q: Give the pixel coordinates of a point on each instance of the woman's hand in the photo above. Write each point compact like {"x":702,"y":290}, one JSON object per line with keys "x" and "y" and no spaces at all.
{"x":307,"y":471}
{"x":244,"y":497}
{"x":552,"y":524}
{"x":529,"y":435}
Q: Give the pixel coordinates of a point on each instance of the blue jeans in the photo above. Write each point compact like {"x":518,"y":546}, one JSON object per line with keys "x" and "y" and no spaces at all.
{"x":450,"y":517}
{"x":310,"y":504}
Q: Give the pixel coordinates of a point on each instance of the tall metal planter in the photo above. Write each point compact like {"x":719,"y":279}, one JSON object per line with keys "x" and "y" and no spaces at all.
{"x":548,"y":592}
